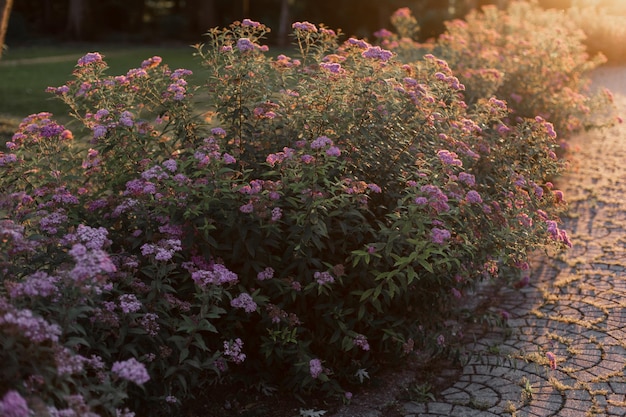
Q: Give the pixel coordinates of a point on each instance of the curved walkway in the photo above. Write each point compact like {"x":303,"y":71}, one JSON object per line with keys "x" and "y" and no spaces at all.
{"x":566,"y":352}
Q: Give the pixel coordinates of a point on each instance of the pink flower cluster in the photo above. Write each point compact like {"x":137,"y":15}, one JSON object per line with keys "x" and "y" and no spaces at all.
{"x":376,"y":52}
{"x":38,"y":127}
{"x":24,"y":322}
{"x":315,"y":368}
{"x":163,"y":250}
{"x":323,"y":278}
{"x":304,"y":27}
{"x":14,"y":405}
{"x":245,"y":302}
{"x":216,"y":274}
{"x":131,"y":370}
{"x":233,"y":350}
{"x":436,"y":198}
{"x":361,"y":341}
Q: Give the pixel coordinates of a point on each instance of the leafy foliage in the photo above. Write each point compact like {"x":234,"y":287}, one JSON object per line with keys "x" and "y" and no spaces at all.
{"x":313,"y":221}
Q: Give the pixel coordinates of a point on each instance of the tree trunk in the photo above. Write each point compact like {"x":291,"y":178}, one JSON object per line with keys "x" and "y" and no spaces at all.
{"x":202,"y":16}
{"x":5,"y":12}
{"x":283,"y":22}
{"x":75,"y":18}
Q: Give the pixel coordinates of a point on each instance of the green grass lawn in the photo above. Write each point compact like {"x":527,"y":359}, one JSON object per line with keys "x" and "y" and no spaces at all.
{"x":26,"y":72}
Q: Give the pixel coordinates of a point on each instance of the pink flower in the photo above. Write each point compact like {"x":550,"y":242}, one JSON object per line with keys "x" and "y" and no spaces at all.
{"x":383,"y":34}
{"x":376,"y":52}
{"x":437,"y":199}
{"x":304,"y":26}
{"x":247,"y":208}
{"x":99,"y":131}
{"x":473,"y":197}
{"x":90,"y":58}
{"x":439,"y":236}
{"x":131,"y":370}
{"x":503,"y":129}
{"x":129,"y":303}
{"x":234,"y":351}
{"x":359,"y":43}
{"x":361,"y":341}
{"x":170,"y":165}
{"x":402,"y":12}
{"x":468,"y":179}
{"x":449,"y":158}
{"x":277,"y":214}
{"x":38,"y":284}
{"x":332,"y":67}
{"x":551,"y":359}
{"x":250,"y":23}
{"x":150,"y":324}
{"x":228,"y":158}
{"x":14,"y":405}
{"x":323,"y":278}
{"x":126,"y":119}
{"x":34,"y":328}
{"x":218,"y":131}
{"x":320,"y":142}
{"x":218,"y":274}
{"x":333,"y":151}
{"x":267,"y":273}
{"x":245,"y":302}
{"x":315,"y":368}
{"x":245,"y":45}
{"x":151,"y":62}
{"x":277,"y":158}
{"x":179,"y":73}
{"x":307,"y":159}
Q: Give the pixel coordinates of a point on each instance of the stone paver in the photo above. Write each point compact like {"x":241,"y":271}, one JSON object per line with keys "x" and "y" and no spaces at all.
{"x":575,"y":307}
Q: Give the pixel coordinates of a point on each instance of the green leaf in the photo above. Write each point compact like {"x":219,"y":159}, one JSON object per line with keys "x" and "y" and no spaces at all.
{"x":366,"y":294}
{"x":184,"y":353}
{"x":426,"y":265}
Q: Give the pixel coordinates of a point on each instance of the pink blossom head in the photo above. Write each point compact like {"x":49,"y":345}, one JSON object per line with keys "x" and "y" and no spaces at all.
{"x":151,"y":62}
{"x":332,"y":67}
{"x":304,"y":27}
{"x":14,"y":405}
{"x":315,"y":368}
{"x":403,"y":12}
{"x":90,"y":58}
{"x":245,"y":45}
{"x":131,"y":370}
{"x":376,"y":52}
{"x":250,"y":23}
{"x":383,"y":34}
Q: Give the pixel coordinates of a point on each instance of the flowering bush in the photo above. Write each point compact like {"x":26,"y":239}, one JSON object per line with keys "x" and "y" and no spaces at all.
{"x":316,"y":218}
{"x":534,"y":59}
{"x":604,"y":28}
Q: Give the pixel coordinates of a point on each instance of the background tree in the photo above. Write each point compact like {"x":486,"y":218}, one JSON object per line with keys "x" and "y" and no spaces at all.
{"x":75,"y":18}
{"x":5,"y":12}
{"x":186,"y":20}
